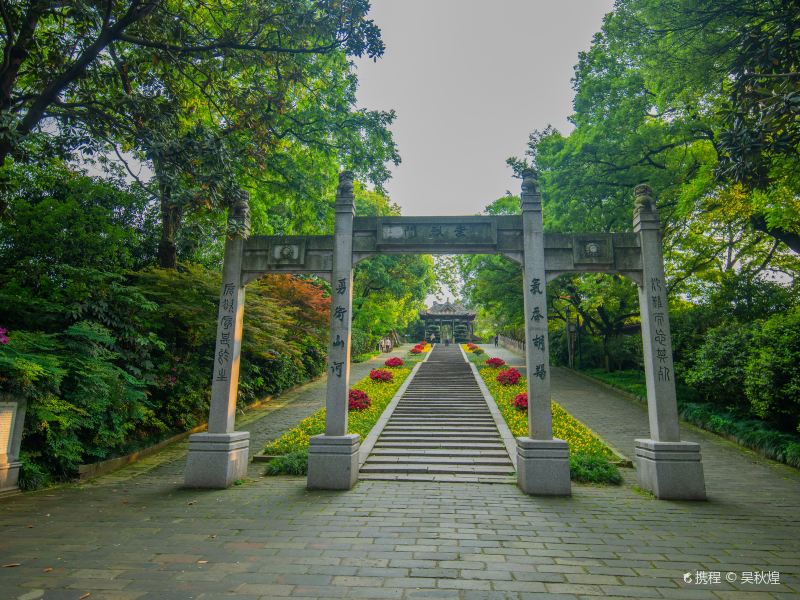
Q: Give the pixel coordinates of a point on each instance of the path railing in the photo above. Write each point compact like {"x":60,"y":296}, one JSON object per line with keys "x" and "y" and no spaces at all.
{"x":511,"y":343}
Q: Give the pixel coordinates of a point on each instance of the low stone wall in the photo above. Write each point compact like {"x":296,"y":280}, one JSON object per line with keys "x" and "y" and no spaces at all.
{"x":512,"y":344}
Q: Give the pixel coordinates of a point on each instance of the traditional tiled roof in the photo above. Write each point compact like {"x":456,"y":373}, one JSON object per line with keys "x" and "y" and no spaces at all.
{"x":448,"y":309}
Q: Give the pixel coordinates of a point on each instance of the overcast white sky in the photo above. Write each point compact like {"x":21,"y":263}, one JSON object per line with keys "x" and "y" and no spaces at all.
{"x":470,"y":79}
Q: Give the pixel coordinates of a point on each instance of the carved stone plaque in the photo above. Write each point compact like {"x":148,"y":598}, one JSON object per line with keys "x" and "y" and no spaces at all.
{"x":592,"y":250}
{"x":430,"y":231}
{"x":287,"y":252}
{"x":7,"y":412}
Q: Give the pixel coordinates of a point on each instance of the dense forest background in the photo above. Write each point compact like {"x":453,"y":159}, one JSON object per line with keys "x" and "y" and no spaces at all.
{"x":700,"y":99}
{"x":126,"y":128}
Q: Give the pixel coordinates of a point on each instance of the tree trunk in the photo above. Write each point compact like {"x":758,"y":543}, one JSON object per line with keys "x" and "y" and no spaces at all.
{"x":170,"y":223}
{"x":171,"y":216}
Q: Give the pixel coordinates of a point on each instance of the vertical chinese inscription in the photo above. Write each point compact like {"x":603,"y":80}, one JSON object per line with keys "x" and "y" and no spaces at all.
{"x":227,"y":315}
{"x":657,"y":304}
{"x":338,"y":313}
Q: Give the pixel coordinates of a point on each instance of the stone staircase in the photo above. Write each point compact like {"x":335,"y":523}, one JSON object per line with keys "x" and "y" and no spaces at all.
{"x":441,"y":429}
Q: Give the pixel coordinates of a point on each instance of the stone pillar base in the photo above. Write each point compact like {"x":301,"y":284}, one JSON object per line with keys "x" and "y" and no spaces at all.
{"x":9,"y":476}
{"x":671,"y":470}
{"x":543,"y":467}
{"x":333,"y":462}
{"x":216,"y":460}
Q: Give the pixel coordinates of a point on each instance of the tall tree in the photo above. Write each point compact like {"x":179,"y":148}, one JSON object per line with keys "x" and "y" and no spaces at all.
{"x":211,"y":96}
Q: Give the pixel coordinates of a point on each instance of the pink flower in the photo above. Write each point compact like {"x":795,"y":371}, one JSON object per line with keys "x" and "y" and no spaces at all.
{"x":3,"y":335}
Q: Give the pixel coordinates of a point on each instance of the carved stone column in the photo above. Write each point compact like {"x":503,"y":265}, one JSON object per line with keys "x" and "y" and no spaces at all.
{"x":666,"y":466}
{"x":542,"y":462}
{"x":219,"y":457}
{"x":333,"y":457}
{"x":12,"y":420}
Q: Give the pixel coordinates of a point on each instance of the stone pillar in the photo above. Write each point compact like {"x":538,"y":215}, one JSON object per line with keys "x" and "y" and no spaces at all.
{"x":666,"y":466}
{"x":542,"y":462}
{"x":12,"y":421}
{"x":218,"y":457}
{"x":333,"y":457}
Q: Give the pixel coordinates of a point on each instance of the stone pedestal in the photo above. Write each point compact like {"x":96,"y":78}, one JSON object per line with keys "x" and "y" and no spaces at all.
{"x":9,"y":475}
{"x":12,"y":419}
{"x":216,"y":460}
{"x":671,"y":470}
{"x":333,"y":462}
{"x":543,"y":467}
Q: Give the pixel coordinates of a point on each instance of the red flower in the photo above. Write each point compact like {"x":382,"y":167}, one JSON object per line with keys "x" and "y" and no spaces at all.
{"x":381,"y":375}
{"x":495,"y":362}
{"x":521,"y":402}
{"x":3,"y":335}
{"x":416,"y":350}
{"x":358,"y":400}
{"x":508,"y":377}
{"x":471,"y":346}
{"x":394,"y":362}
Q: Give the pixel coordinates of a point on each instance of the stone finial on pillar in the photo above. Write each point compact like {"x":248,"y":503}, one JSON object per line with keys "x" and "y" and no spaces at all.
{"x":542,"y":462}
{"x":668,"y":467}
{"x":219,"y":457}
{"x":333,"y":456}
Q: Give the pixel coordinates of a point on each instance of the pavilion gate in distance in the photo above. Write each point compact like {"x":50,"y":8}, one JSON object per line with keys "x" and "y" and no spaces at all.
{"x":667,"y":466}
{"x":448,"y":320}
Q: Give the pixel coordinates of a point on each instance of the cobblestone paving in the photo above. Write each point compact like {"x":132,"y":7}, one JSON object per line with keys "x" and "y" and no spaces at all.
{"x":138,"y":535}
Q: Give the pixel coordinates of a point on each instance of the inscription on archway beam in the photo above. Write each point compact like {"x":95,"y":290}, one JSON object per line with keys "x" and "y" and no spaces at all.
{"x":564,"y":253}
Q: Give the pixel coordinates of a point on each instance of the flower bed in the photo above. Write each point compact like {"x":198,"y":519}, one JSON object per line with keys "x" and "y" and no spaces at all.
{"x":590,"y":459}
{"x":393,"y":362}
{"x":421,"y":348}
{"x":296,"y":440}
{"x":495,"y":363}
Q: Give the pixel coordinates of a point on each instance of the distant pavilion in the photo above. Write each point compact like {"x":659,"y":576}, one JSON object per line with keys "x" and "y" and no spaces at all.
{"x":448,"y":320}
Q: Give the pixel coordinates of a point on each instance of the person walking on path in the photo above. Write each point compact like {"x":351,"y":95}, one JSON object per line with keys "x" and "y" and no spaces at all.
{"x":433,"y":339}
{"x":496,"y":339}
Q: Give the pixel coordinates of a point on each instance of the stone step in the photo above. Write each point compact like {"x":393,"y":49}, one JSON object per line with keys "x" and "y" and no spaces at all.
{"x":441,"y":478}
{"x":439,"y":452}
{"x":441,"y":445}
{"x":439,"y":460}
{"x":441,"y":430}
{"x":437,"y":469}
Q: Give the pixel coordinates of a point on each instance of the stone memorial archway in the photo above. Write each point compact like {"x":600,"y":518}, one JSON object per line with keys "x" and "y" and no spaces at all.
{"x":666,"y":466}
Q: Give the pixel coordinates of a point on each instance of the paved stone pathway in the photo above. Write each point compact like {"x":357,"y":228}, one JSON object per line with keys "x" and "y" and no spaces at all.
{"x":441,"y":430}
{"x":139,"y":536}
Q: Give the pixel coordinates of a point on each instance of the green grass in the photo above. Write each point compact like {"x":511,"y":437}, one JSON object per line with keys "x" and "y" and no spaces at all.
{"x":748,"y":432}
{"x":359,"y":358}
{"x":627,"y":381}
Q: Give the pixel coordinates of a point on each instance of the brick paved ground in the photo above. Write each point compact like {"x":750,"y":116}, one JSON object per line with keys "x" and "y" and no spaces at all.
{"x":137,"y":535}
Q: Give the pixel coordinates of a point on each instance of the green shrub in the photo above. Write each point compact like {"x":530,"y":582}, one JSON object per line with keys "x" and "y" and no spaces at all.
{"x":718,"y":365}
{"x":772,"y":374}
{"x":589,"y":468}
{"x":294,"y":463}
